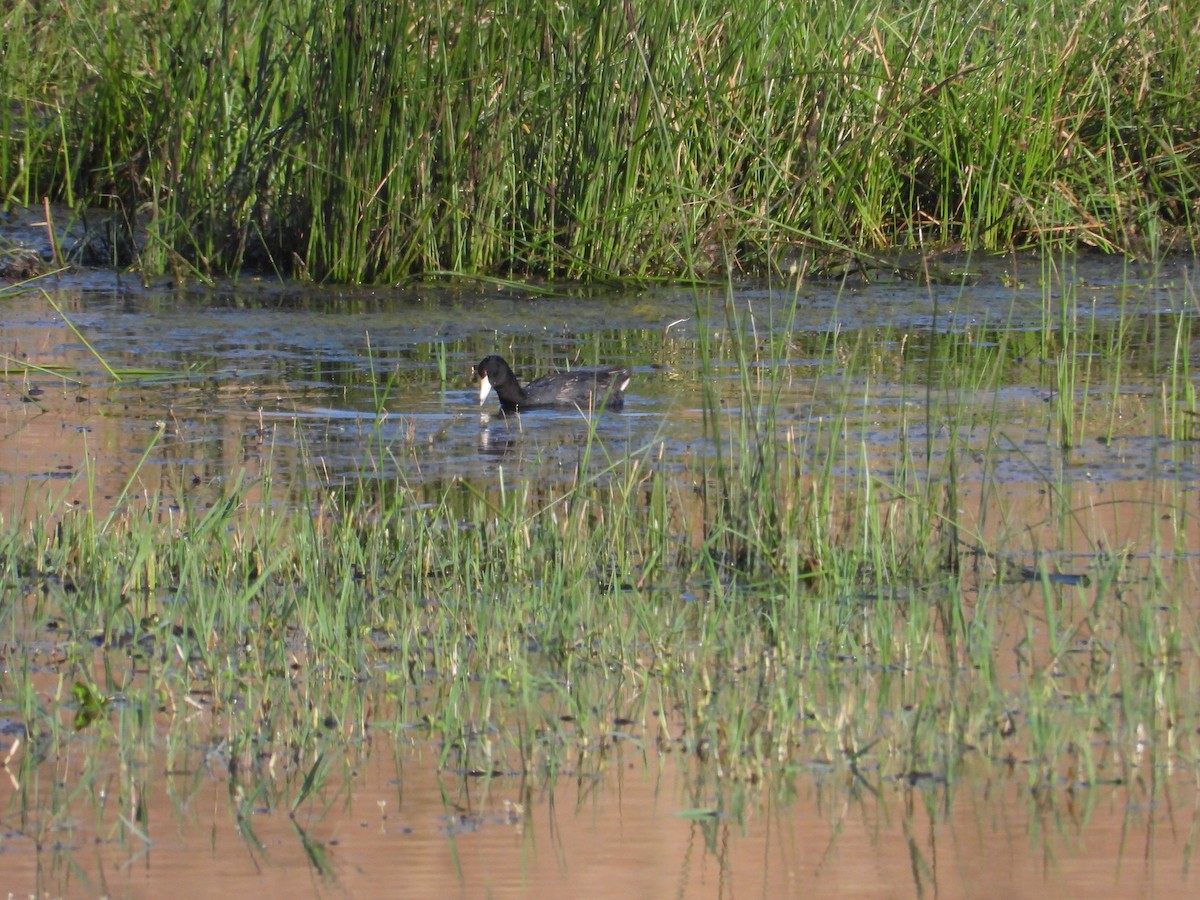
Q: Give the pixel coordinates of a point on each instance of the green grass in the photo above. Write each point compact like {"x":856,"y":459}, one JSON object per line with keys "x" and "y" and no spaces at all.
{"x":589,"y":141}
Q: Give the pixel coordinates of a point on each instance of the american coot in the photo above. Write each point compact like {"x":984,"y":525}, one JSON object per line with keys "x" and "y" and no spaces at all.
{"x":588,"y":389}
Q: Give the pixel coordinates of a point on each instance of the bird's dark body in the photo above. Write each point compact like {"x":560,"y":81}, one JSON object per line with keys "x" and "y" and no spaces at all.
{"x":584,"y":389}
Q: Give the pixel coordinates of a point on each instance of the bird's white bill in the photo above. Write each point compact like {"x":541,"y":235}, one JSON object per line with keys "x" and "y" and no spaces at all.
{"x":485,"y":388}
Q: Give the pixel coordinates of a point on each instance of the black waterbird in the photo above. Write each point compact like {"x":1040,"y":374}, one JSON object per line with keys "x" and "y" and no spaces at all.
{"x":584,"y":389}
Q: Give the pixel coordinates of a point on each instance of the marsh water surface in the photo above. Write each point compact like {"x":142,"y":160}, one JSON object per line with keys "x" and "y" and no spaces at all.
{"x":117,"y":391}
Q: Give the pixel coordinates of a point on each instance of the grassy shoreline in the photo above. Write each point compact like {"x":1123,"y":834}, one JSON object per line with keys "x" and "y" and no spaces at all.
{"x":349,"y":143}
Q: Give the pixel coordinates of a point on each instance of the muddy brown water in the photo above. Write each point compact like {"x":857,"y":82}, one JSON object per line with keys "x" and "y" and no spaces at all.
{"x":377,"y":382}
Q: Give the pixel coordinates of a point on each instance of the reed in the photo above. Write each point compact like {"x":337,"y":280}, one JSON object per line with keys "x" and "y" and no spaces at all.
{"x":353,"y":143}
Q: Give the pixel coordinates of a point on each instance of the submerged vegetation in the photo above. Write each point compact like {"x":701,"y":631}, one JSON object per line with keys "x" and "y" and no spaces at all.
{"x":367,"y":142}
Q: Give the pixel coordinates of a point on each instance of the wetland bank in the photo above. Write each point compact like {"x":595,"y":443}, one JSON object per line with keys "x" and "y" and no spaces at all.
{"x":827,"y":606}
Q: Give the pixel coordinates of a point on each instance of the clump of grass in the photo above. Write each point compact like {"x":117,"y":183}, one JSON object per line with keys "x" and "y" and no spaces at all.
{"x":595,"y":140}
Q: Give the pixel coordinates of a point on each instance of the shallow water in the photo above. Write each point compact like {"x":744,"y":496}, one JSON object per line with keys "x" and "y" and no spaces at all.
{"x":266,"y":377}
{"x":639,"y":827}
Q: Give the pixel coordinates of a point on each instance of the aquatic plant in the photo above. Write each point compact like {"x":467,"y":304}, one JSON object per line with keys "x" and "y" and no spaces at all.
{"x":366,"y":143}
